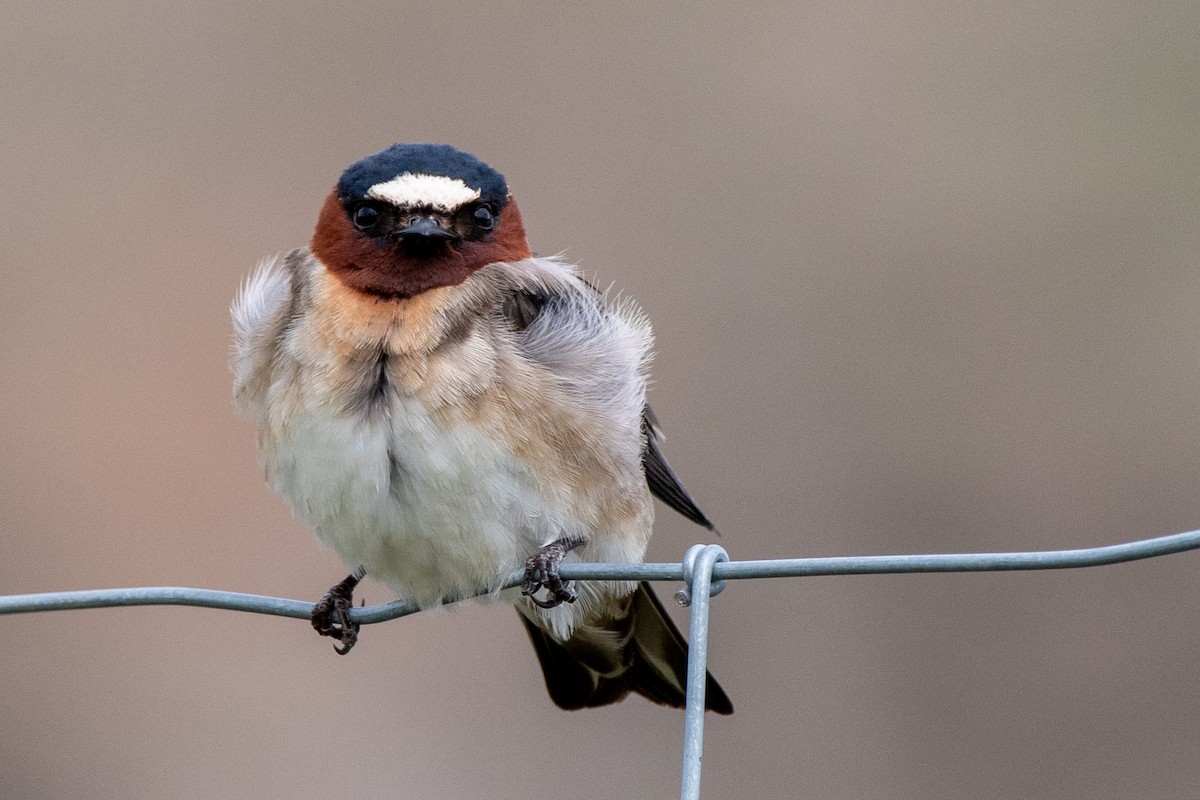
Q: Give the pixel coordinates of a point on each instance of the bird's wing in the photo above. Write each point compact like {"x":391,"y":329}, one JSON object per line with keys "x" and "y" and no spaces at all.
{"x":522,"y":308}
{"x":664,"y":483}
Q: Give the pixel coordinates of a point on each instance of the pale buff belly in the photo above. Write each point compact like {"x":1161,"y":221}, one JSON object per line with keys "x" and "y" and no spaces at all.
{"x":436,"y":513}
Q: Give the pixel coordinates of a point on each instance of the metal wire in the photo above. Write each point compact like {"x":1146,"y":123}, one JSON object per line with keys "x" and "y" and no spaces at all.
{"x":704,"y":570}
{"x":698,"y":563}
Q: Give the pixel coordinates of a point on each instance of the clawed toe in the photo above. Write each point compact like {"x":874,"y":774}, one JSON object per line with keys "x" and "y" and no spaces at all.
{"x":331,"y":615}
{"x":555,"y":595}
{"x":541,"y":570}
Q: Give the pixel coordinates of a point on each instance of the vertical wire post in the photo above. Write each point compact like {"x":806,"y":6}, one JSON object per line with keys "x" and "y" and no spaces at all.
{"x":697,"y":567}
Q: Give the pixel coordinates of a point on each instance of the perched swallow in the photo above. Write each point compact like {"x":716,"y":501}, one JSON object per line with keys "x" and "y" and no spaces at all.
{"x":444,"y":408}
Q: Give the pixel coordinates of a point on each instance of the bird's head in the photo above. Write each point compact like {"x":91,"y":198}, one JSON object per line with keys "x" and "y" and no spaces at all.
{"x":414,"y":217}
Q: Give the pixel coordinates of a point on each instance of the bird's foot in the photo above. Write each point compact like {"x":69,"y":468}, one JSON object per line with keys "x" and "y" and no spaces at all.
{"x":331,"y":615}
{"x":541,"y":570}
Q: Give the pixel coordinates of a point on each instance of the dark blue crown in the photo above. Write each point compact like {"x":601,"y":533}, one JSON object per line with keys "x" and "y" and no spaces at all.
{"x":424,"y":159}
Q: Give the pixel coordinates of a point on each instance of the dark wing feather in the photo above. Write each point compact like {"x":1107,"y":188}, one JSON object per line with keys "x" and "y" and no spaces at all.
{"x":521,"y":308}
{"x":663,"y":482}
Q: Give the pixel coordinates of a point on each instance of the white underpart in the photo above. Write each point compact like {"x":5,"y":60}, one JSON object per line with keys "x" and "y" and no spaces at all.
{"x":415,"y":190}
{"x":402,"y":528}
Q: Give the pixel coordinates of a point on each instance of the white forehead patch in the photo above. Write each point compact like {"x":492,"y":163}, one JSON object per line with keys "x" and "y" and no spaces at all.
{"x":411,"y":189}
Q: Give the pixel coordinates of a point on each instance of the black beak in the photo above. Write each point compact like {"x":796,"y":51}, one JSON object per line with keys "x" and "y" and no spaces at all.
{"x":424,"y":228}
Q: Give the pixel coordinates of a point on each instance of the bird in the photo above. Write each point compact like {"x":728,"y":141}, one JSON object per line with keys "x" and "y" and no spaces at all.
{"x":444,"y":408}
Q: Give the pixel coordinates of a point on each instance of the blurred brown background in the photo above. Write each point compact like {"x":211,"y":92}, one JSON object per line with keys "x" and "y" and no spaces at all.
{"x":924,"y":280}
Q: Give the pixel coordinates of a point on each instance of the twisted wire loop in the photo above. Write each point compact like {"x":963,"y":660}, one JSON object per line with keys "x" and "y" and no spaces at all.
{"x":684,"y":595}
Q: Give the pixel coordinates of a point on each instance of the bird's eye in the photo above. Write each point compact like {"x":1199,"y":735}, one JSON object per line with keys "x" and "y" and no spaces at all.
{"x":484,"y":218}
{"x":366,"y":217}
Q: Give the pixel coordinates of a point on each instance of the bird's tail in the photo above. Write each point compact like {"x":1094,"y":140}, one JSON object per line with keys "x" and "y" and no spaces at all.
{"x":639,"y":651}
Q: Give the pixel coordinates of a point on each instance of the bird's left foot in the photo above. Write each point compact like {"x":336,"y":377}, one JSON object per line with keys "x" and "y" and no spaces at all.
{"x":331,"y":615}
{"x":541,"y":570}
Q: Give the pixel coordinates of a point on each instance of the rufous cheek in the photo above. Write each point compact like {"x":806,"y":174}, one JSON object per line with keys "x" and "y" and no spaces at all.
{"x":337,"y":243}
{"x":363,"y":263}
{"x":509,"y":243}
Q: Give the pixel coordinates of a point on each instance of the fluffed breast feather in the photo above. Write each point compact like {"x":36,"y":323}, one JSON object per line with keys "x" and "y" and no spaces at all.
{"x":525,"y":425}
{"x":260,"y":313}
{"x":597,"y":350}
{"x":593,"y":347}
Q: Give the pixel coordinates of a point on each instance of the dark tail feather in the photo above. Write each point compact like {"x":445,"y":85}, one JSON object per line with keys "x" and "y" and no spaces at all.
{"x":663,"y":654}
{"x":571,"y":683}
{"x":643,"y":652}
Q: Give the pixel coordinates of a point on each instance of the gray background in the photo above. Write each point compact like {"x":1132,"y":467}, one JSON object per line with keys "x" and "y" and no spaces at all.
{"x":923,"y":279}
